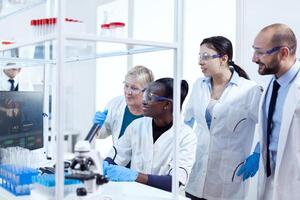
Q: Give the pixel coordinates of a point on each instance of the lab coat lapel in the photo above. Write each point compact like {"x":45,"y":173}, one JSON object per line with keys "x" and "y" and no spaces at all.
{"x":262,"y":125}
{"x":147,"y":139}
{"x":290,"y":104}
{"x":204,"y":95}
{"x":221,"y":107}
{"x":206,"y":99}
{"x":165,"y":138}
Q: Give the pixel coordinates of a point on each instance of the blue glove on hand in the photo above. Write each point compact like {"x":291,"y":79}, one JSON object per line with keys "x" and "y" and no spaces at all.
{"x":100,"y":117}
{"x":120,"y":173}
{"x":250,"y":166}
{"x":105,"y":164}
{"x":190,"y":123}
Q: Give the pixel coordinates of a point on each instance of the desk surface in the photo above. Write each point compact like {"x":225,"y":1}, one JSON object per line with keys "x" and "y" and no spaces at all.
{"x":129,"y":191}
{"x":110,"y":191}
{"x":5,"y":195}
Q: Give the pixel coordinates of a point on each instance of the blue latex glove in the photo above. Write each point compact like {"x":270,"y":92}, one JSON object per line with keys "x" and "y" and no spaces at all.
{"x":190,"y":123}
{"x":105,"y":164}
{"x":250,"y":166}
{"x":120,"y":173}
{"x":100,"y":117}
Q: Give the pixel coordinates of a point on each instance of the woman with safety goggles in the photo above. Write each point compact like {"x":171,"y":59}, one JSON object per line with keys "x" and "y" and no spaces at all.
{"x":223,"y":106}
{"x":148,"y":142}
{"x":122,"y":110}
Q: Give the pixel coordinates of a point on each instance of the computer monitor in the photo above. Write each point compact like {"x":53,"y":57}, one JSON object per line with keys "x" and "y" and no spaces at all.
{"x":21,"y":119}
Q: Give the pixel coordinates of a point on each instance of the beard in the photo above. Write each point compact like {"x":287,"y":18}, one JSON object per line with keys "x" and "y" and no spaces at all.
{"x":270,"y":68}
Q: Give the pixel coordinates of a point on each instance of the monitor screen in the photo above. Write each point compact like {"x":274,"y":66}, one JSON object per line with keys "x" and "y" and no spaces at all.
{"x":21,"y":119}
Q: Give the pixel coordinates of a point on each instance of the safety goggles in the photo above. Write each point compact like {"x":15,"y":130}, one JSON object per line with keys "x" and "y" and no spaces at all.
{"x":151,"y":97}
{"x":206,"y":56}
{"x":259,"y":53}
{"x":131,"y":89}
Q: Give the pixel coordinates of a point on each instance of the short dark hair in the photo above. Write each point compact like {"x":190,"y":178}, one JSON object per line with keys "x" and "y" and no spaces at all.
{"x":283,"y":36}
{"x":288,"y":38}
{"x":168,"y":83}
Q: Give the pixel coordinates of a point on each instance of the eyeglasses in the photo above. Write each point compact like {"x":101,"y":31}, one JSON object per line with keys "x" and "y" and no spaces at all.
{"x":150,"y":97}
{"x":259,"y":53}
{"x":131,"y":89}
{"x":205,"y":56}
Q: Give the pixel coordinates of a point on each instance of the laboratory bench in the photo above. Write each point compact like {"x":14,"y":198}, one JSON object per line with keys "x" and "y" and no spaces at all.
{"x":109,"y":191}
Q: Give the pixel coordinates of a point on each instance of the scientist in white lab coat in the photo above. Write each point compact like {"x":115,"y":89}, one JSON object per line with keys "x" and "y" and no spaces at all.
{"x":11,"y":80}
{"x":11,"y":77}
{"x":148,"y":142}
{"x":279,"y":171}
{"x":224,"y":105}
{"x":122,"y":110}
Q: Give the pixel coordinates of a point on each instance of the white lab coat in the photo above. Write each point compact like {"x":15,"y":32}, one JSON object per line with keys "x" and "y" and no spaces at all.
{"x":287,"y":170}
{"x":23,"y":85}
{"x":227,"y":143}
{"x":137,"y":145}
{"x":114,"y":119}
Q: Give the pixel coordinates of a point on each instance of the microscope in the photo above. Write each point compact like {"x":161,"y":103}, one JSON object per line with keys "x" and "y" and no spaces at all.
{"x":86,"y":166}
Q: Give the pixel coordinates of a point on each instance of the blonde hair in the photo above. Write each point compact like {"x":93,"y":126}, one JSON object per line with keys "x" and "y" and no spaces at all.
{"x":140,"y":73}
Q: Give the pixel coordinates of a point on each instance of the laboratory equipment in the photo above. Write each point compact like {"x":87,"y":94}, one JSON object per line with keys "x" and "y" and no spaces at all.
{"x":16,"y":179}
{"x":93,"y":131}
{"x":87,"y":167}
{"x":18,"y":156}
{"x":21,"y":119}
{"x":45,"y":184}
{"x":117,"y":29}
{"x":113,"y":29}
{"x":44,"y":26}
{"x":105,"y":30}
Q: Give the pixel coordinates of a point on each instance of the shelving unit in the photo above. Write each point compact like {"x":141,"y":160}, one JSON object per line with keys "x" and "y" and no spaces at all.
{"x":71,"y":48}
{"x":85,"y":43}
{"x":9,"y":8}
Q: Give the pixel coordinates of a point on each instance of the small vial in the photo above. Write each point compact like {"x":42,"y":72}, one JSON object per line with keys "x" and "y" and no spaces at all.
{"x":117,"y":29}
{"x":105,"y":30}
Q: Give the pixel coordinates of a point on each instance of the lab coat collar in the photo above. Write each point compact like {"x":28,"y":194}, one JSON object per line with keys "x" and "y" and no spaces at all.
{"x":16,"y":79}
{"x":234,"y":80}
{"x":286,"y":78}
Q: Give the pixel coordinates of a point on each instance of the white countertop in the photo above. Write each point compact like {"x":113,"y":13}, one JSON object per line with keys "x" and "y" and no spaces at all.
{"x":109,"y":191}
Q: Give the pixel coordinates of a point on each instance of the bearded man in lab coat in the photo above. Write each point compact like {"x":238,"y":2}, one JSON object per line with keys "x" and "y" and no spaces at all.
{"x":279,"y":173}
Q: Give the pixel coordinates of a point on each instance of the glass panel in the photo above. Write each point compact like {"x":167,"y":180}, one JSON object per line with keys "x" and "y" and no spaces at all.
{"x":10,"y":7}
{"x":77,"y":50}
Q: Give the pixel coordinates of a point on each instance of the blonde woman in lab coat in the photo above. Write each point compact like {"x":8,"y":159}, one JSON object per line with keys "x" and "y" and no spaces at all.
{"x":224,"y":107}
{"x":148,"y":142}
{"x":122,"y":110}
